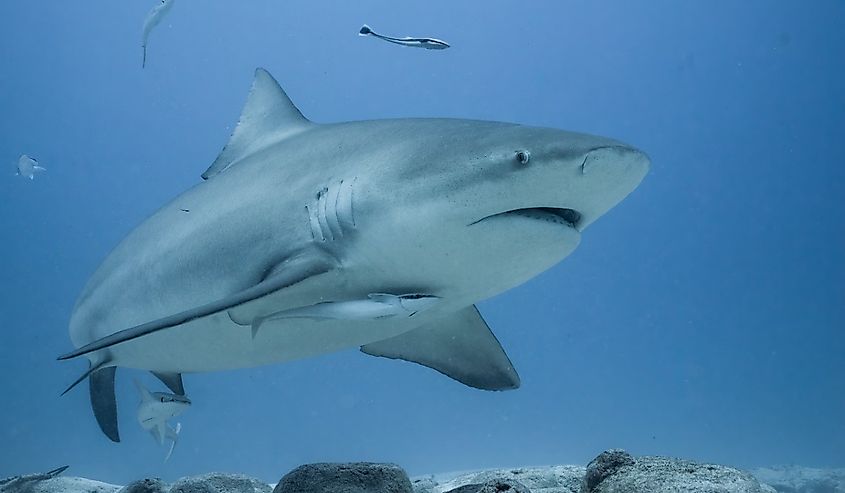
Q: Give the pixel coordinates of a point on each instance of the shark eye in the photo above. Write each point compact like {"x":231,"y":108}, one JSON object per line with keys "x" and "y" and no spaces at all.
{"x":161,"y":399}
{"x":523,"y":157}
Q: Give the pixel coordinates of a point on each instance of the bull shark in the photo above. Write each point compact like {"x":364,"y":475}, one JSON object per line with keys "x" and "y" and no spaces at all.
{"x":295,"y":217}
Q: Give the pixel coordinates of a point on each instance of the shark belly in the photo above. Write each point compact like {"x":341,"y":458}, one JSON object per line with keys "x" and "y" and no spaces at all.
{"x":216,"y":343}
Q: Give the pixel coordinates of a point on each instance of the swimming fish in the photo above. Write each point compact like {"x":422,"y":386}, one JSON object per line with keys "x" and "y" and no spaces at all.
{"x":154,"y":411}
{"x":27,"y":166}
{"x":153,"y":19}
{"x":376,"y":306}
{"x":427,"y":43}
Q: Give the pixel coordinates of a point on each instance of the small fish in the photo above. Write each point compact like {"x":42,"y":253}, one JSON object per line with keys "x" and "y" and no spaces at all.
{"x":153,"y":19}
{"x":427,"y":43}
{"x":27,"y":166}
{"x":376,"y":306}
{"x":154,"y":411}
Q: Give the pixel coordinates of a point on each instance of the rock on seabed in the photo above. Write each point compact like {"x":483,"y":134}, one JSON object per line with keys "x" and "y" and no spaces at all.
{"x":356,"y":477}
{"x":550,"y":479}
{"x":616,"y":471}
{"x":613,"y":471}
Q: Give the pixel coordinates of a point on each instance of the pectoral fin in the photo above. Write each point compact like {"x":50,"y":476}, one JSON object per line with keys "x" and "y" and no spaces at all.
{"x":460,"y":346}
{"x":290,"y":272}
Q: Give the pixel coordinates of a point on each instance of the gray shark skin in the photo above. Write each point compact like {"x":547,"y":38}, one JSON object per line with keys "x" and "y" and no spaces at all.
{"x":294,"y":215}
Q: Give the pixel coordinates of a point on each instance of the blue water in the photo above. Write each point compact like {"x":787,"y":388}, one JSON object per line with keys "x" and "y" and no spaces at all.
{"x":703,"y":317}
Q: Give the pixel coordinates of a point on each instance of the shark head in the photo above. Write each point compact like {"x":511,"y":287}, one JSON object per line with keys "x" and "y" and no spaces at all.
{"x":498,"y":203}
{"x":549,"y":178}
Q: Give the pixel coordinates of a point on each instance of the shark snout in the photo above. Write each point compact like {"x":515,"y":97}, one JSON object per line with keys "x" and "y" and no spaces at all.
{"x":609,"y":174}
{"x":622,"y":161}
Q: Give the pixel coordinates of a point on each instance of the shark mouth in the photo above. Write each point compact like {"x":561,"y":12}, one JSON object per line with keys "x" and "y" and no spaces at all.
{"x":566,"y":217}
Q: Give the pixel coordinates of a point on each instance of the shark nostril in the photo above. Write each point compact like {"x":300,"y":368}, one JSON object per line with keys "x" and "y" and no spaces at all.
{"x":615,"y":159}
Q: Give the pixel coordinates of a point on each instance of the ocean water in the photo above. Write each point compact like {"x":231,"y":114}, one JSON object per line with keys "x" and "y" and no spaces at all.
{"x":702,"y":317}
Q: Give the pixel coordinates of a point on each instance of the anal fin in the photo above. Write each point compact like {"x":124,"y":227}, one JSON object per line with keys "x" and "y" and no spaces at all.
{"x":460,"y":345}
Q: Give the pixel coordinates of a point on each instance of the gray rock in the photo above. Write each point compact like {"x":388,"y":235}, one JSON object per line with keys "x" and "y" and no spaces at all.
{"x":794,"y":479}
{"x":148,"y":485}
{"x":606,"y":464}
{"x":550,"y":479}
{"x":616,"y":472}
{"x":493,"y":486}
{"x":357,"y":477}
{"x":219,"y":483}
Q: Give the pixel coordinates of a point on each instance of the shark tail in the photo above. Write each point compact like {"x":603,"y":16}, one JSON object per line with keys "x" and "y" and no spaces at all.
{"x":365,"y":30}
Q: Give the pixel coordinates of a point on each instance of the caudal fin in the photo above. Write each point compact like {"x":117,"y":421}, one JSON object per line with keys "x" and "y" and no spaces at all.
{"x":365,"y":30}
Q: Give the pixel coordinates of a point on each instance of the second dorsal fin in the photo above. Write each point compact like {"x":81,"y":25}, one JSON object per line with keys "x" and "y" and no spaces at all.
{"x":267,"y":117}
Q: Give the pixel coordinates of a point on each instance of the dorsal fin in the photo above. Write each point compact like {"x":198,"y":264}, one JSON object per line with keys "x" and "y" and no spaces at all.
{"x":268,"y":117}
